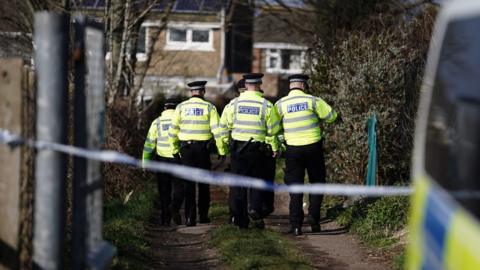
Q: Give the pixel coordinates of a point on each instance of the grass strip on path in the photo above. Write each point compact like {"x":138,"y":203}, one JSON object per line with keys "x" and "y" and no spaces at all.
{"x":124,"y":227}
{"x":253,"y":248}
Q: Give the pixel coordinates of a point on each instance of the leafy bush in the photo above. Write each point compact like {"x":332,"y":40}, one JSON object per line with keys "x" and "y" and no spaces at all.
{"x":382,"y":218}
{"x":372,"y":72}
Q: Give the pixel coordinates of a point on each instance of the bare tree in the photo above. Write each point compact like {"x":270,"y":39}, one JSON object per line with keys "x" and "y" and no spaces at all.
{"x":124,"y":19}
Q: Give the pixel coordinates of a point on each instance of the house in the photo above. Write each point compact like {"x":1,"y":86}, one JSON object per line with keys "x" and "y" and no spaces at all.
{"x":203,"y":40}
{"x":280,"y":46}
{"x":218,"y":41}
{"x":199,"y":43}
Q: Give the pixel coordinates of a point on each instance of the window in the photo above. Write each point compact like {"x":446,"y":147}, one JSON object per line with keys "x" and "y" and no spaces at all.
{"x":178,"y":35}
{"x":194,"y":39}
{"x":284,"y":60}
{"x":142,"y":40}
{"x":200,"y":36}
{"x":142,"y":44}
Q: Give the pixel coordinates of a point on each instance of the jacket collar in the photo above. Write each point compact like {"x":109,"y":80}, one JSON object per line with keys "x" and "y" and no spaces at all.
{"x":251,"y":93}
{"x":296,"y":91}
{"x":168,"y":111}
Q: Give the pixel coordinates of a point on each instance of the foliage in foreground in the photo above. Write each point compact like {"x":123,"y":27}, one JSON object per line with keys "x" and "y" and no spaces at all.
{"x":368,"y":70}
{"x":257,"y":249}
{"x":253,"y":249}
{"x":124,"y":227}
{"x":375,"y":221}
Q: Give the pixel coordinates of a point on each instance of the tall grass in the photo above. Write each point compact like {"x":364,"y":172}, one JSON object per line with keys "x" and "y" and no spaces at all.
{"x":124,"y":227}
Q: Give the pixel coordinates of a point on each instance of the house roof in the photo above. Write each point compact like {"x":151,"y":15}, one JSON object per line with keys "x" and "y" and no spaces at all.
{"x":187,"y":6}
{"x":280,"y":26}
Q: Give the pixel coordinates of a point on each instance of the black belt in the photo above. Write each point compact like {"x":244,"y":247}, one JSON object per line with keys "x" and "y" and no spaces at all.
{"x":194,"y":142}
{"x":188,"y":143}
{"x":240,"y":146}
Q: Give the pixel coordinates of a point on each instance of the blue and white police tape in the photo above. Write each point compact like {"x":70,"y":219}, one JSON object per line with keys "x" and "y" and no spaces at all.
{"x":205,"y":176}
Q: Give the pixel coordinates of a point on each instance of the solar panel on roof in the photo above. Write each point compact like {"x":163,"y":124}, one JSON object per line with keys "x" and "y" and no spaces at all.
{"x":91,"y":3}
{"x":188,"y":5}
{"x":212,"y":5}
{"x":193,"y":5}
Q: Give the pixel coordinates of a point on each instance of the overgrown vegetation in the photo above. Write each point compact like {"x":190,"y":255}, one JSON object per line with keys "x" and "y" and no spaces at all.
{"x":373,"y":70}
{"x":124,"y":227}
{"x":376,"y":221}
{"x":380,"y":223}
{"x":371,"y":62}
{"x":126,"y":133}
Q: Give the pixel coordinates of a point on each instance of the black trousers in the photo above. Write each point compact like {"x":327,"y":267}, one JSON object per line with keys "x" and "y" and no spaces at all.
{"x":269,"y":170}
{"x":171,"y":192}
{"x":297,"y":159}
{"x":246,"y":160}
{"x":196,"y":154}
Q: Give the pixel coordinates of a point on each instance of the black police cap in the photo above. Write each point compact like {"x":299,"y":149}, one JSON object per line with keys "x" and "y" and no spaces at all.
{"x":253,"y":78}
{"x":197,"y":85}
{"x":170,"y":102}
{"x":298,"y":78}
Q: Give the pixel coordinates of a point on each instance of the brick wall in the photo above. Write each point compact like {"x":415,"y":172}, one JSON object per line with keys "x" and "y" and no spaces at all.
{"x":258,"y":61}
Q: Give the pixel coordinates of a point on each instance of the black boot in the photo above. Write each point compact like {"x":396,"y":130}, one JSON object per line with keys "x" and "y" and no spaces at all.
{"x":190,"y":222}
{"x":296,"y":231}
{"x":314,"y":224}
{"x":259,"y":224}
{"x":254,"y":214}
{"x":316,"y":228}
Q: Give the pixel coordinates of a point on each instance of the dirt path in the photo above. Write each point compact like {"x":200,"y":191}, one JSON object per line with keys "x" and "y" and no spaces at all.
{"x":333,"y":248}
{"x":185,"y":248}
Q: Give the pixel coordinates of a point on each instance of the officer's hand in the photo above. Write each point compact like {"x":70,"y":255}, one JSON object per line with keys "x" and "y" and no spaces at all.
{"x":275,"y":154}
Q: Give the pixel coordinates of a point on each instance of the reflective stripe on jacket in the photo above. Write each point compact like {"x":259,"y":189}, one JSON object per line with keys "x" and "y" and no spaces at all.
{"x":250,"y":116}
{"x":157,"y":137}
{"x":196,"y":120}
{"x":300,"y":114}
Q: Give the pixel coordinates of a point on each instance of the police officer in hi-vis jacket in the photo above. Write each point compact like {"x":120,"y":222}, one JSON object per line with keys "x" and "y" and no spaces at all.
{"x":246,"y":122}
{"x":194,"y":124}
{"x":157,"y":147}
{"x":301,"y":114}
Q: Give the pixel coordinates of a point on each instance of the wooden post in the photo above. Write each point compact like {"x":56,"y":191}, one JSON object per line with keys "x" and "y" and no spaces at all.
{"x":11,"y":84}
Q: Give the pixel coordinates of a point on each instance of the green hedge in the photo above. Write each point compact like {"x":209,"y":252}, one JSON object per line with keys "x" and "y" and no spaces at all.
{"x":372,"y":72}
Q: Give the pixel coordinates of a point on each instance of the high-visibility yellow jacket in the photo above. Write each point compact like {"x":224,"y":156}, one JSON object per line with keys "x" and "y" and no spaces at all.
{"x":157,"y":137}
{"x":250,"y":116}
{"x":195,"y":120}
{"x":300,"y":114}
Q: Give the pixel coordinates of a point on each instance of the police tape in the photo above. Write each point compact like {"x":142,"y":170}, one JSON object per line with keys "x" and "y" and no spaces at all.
{"x":205,"y":176}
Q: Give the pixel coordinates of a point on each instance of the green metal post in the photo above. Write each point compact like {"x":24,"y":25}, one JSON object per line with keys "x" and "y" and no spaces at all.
{"x":372,"y":151}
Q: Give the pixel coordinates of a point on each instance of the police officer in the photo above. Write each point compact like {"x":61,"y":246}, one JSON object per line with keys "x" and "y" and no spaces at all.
{"x":247,"y":121}
{"x":300,"y":115}
{"x":194,"y":123}
{"x":157,"y":147}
